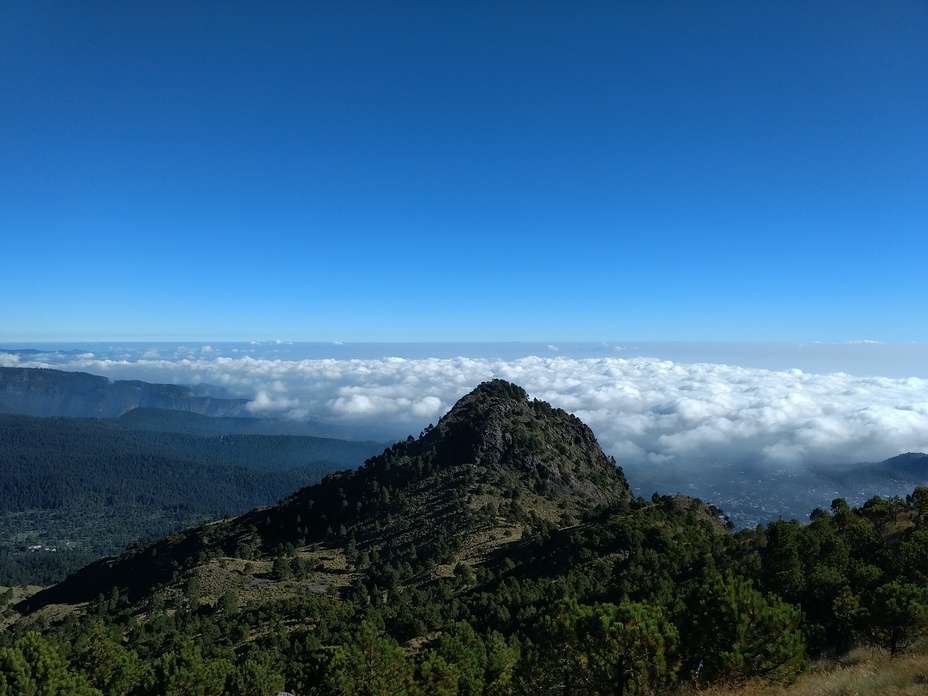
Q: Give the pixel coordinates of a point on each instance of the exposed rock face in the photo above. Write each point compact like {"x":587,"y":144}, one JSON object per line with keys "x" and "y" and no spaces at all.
{"x":498,"y":427}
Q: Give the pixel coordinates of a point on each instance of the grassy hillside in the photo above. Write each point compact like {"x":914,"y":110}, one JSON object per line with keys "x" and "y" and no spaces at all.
{"x":862,"y":672}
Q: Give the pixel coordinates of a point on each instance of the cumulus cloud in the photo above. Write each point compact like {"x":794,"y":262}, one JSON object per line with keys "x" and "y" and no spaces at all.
{"x":269,"y":402}
{"x":644,"y":411}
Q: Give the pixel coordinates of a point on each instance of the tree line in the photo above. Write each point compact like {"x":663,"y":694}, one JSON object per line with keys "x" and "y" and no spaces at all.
{"x":643,"y":596}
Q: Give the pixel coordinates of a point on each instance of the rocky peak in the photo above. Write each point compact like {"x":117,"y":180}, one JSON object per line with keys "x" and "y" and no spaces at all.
{"x":498,"y":427}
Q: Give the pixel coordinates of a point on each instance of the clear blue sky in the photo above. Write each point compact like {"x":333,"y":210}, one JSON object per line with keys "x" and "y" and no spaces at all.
{"x":464,"y":171}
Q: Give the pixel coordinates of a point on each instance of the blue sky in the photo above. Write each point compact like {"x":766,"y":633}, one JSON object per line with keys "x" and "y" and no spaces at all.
{"x":452,"y":171}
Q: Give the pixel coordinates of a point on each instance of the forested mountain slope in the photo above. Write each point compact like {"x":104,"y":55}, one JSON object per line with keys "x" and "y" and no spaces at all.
{"x":497,"y":465}
{"x":499,"y":553}
{"x":90,"y":486}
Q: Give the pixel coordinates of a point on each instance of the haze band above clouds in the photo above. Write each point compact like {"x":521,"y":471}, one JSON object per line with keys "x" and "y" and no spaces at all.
{"x":642,"y":410}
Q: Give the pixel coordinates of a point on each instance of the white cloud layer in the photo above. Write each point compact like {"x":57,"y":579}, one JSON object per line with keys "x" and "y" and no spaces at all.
{"x":644,"y":411}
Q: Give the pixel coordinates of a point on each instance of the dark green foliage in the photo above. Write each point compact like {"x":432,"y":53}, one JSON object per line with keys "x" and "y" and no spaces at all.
{"x":33,"y":667}
{"x":257,"y":674}
{"x":460,"y":646}
{"x":90,"y":487}
{"x":630,"y":648}
{"x":897,"y":615}
{"x":781,"y":568}
{"x":629,"y":602}
{"x":739,"y":633}
{"x":622,"y":597}
{"x":918,"y":501}
{"x":186,"y":672}
{"x":369,"y":664}
{"x":50,"y":463}
{"x":39,"y":568}
{"x":110,"y":667}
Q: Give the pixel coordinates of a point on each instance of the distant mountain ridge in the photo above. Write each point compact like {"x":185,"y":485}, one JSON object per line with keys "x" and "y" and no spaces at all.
{"x":907,"y":464}
{"x":34,"y":391}
{"x":169,"y":421}
{"x":904,"y":471}
{"x":753,"y":494}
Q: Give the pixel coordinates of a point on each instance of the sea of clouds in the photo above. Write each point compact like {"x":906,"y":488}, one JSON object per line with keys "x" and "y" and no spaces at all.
{"x":644,"y":411}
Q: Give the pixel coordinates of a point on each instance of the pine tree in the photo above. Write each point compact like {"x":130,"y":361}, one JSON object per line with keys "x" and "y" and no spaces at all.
{"x":32,"y":667}
{"x":739,"y":633}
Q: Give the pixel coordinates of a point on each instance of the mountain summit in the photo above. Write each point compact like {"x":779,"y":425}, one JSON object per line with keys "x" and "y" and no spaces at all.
{"x":497,"y":467}
{"x":545,"y":450}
